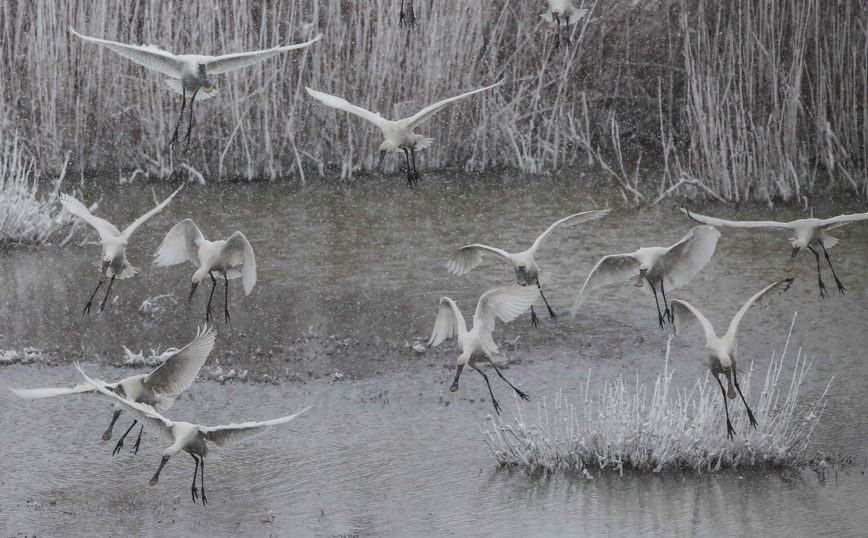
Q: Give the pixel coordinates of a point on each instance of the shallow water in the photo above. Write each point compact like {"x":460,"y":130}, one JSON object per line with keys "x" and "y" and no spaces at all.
{"x":349,"y":277}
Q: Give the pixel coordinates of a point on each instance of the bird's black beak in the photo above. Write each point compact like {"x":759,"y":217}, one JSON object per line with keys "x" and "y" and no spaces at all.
{"x":454,"y":386}
{"x":102,"y":275}
{"x":192,"y":291}
{"x":379,"y":169}
{"x":789,"y":266}
{"x":639,"y":283}
{"x":157,"y":475}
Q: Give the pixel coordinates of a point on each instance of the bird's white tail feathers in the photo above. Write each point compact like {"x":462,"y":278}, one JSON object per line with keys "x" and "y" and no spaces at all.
{"x":829,"y":241}
{"x":422,"y":142}
{"x":547,"y":16}
{"x":128,"y":271}
{"x":178,"y":87}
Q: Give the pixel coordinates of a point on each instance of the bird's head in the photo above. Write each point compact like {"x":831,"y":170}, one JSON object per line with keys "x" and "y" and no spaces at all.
{"x":206,"y":84}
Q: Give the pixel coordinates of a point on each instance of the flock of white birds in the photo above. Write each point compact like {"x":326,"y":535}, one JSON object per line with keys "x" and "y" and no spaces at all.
{"x":146,"y":396}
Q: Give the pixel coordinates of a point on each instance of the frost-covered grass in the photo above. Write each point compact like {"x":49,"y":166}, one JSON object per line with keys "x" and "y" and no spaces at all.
{"x":627,"y":426}
{"x":25,"y":215}
{"x":748,"y":99}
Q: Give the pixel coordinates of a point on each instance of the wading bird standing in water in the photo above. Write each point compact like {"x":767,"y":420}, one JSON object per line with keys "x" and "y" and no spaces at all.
{"x":805,"y":232}
{"x":722,"y":351}
{"x":159,"y":389}
{"x":527,"y":272}
{"x":666,"y":267}
{"x":192,"y":438}
{"x":476,"y":344}
{"x":233,"y":258}
{"x":190,"y":73}
{"x":562,"y":12}
{"x":398,"y":134}
{"x":113,"y":241}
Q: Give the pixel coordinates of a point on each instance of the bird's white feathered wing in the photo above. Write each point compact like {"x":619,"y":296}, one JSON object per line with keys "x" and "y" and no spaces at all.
{"x":504,"y":303}
{"x":237,"y":251}
{"x":688,"y":257}
{"x":683,"y":316}
{"x":468,"y":257}
{"x":842,"y":220}
{"x":449,"y":323}
{"x":180,"y":244}
{"x":148,"y":56}
{"x":230,"y":62}
{"x":235,"y":433}
{"x":713,"y":221}
{"x":577,"y":218}
{"x":178,"y":372}
{"x":35,"y":394}
{"x":104,"y":228}
{"x":610,"y":269}
{"x":141,"y":220}
{"x":425,"y":114}
{"x":343,"y":104}
{"x":763,"y":298}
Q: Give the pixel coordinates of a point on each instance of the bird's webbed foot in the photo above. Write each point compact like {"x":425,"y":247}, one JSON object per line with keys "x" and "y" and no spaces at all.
{"x":86,"y":309}
{"x":118,"y":446}
{"x":496,"y":405}
{"x":823,"y":291}
{"x":521,"y":394}
{"x":730,"y":431}
{"x":226,"y":315}
{"x":534,"y":319}
{"x":195,"y":493}
{"x":841,"y":287}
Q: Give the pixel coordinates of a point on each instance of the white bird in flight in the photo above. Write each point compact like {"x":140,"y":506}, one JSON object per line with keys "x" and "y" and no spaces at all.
{"x":562,"y":10}
{"x":113,"y":241}
{"x":722,"y":350}
{"x":233,"y":258}
{"x":159,"y":388}
{"x":192,"y":438}
{"x":527,"y":272}
{"x":477,"y":344}
{"x":666,"y":267}
{"x":190,"y":73}
{"x":805,"y":232}
{"x":398,"y":134}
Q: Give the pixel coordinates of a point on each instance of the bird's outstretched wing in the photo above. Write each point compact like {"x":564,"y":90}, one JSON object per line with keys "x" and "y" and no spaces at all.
{"x":148,"y":56}
{"x":842,"y":220}
{"x":425,"y":114}
{"x":763,"y":298}
{"x":180,"y":244}
{"x":230,"y":62}
{"x":234,"y":433}
{"x":449,"y":322}
{"x":683,"y":316}
{"x":35,"y":394}
{"x":610,"y":269}
{"x":504,"y":303}
{"x":103,"y":227}
{"x":178,"y":372}
{"x":713,"y":221}
{"x":577,"y":218}
{"x":237,"y":251}
{"x":343,"y":104}
{"x":687,"y":257}
{"x":139,"y":221}
{"x":466,"y":258}
{"x":142,"y":412}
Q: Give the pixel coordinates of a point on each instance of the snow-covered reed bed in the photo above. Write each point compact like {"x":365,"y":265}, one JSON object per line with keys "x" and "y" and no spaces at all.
{"x":26,"y":216}
{"x":626,"y":426}
{"x":748,"y":99}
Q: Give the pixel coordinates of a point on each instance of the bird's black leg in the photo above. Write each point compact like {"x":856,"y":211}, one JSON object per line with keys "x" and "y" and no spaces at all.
{"x":749,"y":412}
{"x":180,"y":117}
{"x":108,"y":433}
{"x":121,"y":440}
{"x":156,"y":477}
{"x":567,"y":28}
{"x":534,"y":320}
{"x":819,"y":275}
{"x":666,"y":311}
{"x":193,"y":489}
{"x":401,"y":15}
{"x":841,"y":287}
{"x":551,"y":312}
{"x":202,"y":479}
{"x":112,"y":281}
{"x":454,"y":386}
{"x":213,"y":287}
{"x":659,"y":315}
{"x":730,"y":431}
{"x":190,"y":124}
{"x":409,"y":170}
{"x":493,"y":399}
{"x":521,"y":394}
{"x":138,"y":440}
{"x":416,"y":176}
{"x":557,"y":31}
{"x":226,"y":301}
{"x":86,"y":309}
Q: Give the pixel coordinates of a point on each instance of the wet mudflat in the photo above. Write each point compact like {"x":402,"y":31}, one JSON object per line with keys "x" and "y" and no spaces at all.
{"x":349,"y":279}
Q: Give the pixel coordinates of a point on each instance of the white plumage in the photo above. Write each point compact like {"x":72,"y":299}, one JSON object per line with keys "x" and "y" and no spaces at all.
{"x":192,"y":438}
{"x":666,"y":267}
{"x":233,"y":258}
{"x":562,"y":12}
{"x":113,"y":242}
{"x":398,"y":134}
{"x":477,"y":345}
{"x":159,"y":388}
{"x":722,"y":350}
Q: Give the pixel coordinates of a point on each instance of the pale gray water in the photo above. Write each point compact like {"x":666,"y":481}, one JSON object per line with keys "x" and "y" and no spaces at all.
{"x":348,"y":277}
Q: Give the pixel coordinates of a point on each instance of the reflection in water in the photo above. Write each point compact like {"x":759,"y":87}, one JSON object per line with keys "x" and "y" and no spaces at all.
{"x":348,"y":278}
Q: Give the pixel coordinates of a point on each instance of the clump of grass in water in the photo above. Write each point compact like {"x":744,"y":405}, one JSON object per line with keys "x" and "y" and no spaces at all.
{"x":622,"y":429}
